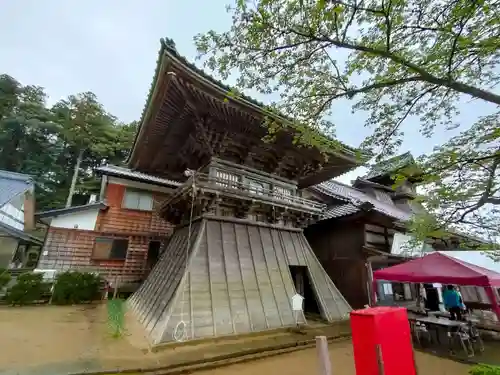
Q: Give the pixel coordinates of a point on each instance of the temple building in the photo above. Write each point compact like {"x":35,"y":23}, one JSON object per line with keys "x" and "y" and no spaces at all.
{"x":238,"y":253}
{"x":364,"y":229}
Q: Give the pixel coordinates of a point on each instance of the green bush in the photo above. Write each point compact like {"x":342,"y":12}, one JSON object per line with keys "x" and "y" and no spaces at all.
{"x":29,"y":288}
{"x":4,"y":278}
{"x":485,"y":370}
{"x":76,"y":287}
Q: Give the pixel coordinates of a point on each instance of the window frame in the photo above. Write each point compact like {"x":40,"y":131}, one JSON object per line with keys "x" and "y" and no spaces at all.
{"x":139,"y":192}
{"x":113,"y":240}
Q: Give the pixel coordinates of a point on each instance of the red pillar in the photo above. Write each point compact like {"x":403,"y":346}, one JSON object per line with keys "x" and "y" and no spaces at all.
{"x":381,"y":338}
{"x":493,"y":300}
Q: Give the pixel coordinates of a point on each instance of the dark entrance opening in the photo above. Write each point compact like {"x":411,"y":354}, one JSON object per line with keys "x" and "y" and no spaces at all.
{"x":303,"y":286}
{"x":153,"y":254}
{"x":432,"y":300}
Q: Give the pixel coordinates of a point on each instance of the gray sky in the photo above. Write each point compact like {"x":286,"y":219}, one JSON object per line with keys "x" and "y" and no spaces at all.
{"x":110,"y":47}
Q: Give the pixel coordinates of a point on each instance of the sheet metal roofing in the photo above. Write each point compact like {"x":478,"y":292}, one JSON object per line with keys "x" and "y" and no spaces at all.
{"x":114,"y":170}
{"x":13,"y":184}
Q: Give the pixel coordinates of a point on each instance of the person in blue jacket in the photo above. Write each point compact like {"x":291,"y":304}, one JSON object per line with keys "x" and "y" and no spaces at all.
{"x":453,"y":303}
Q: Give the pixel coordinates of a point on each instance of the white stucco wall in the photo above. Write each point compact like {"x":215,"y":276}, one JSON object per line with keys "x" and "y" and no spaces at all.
{"x":84,"y":220}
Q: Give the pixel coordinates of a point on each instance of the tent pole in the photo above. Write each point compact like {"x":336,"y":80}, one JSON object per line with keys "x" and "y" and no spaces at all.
{"x":493,"y":299}
{"x":370,"y":290}
{"x":374,"y":291}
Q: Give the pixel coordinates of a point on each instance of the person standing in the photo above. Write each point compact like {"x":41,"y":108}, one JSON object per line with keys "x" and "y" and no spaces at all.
{"x":452,"y":302}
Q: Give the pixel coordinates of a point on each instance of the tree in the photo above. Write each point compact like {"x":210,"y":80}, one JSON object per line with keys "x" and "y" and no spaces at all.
{"x":49,"y":143}
{"x":28,"y":137}
{"x":395,"y":59}
{"x":87,"y":130}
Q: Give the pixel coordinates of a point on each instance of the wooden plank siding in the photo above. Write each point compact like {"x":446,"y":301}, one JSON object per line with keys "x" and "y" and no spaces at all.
{"x":339,"y":249}
{"x":121,"y":220}
{"x":72,"y":248}
{"x":67,"y":249}
{"x":235,"y":278}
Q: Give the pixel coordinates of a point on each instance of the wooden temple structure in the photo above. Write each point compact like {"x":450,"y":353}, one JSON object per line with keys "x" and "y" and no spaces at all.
{"x":364,"y":226}
{"x":238,"y":254}
{"x":356,"y":233}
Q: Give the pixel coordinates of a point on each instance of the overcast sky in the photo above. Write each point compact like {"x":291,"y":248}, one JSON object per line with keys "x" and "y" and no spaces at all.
{"x":110,"y":47}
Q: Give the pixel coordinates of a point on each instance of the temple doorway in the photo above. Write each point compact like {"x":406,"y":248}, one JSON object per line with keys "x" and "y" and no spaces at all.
{"x":303,"y":286}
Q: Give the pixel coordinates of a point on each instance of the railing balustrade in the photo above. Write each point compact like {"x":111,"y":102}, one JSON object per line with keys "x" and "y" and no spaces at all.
{"x":259,"y":191}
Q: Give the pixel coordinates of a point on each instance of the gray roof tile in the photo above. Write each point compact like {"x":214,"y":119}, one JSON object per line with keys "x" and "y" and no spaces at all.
{"x":355,"y":198}
{"x":390,"y":165}
{"x":339,"y":211}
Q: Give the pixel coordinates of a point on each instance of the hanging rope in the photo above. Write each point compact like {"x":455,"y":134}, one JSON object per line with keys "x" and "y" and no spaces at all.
{"x":180,"y":333}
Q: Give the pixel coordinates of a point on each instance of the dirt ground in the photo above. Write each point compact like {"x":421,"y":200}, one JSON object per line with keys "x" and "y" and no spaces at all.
{"x":342,"y":364}
{"x":60,"y":340}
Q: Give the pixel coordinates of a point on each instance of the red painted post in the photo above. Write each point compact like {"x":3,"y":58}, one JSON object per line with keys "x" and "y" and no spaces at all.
{"x":325,"y":367}
{"x":381,"y":341}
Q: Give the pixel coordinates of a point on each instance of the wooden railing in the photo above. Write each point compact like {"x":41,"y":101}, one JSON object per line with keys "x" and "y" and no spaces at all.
{"x":203,"y":180}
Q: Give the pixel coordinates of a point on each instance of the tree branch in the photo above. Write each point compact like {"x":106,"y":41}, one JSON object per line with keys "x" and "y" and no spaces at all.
{"x":352,"y":92}
{"x":425,"y":75}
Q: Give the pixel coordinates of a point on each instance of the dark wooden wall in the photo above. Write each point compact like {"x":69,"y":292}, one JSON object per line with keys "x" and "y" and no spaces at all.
{"x":338,"y":246}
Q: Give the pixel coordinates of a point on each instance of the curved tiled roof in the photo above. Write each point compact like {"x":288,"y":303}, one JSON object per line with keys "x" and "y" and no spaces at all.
{"x":168,"y":48}
{"x":355,"y":198}
{"x":390,"y":165}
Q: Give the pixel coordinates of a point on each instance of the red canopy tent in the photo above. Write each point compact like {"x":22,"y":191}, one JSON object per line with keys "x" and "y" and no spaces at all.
{"x":441,"y":268}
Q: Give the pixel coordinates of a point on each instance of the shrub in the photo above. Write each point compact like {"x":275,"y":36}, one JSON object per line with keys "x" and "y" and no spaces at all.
{"x":74,"y":287}
{"x":4,"y":278}
{"x":29,"y":288}
{"x":485,"y":370}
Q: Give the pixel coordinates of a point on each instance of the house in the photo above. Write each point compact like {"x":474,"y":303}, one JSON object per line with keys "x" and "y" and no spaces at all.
{"x":19,"y":248}
{"x":119,"y":235}
{"x":238,"y":254}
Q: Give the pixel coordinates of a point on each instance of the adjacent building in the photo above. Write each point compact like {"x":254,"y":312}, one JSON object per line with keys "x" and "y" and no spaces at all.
{"x":19,"y":248}
{"x":364,"y":229}
{"x":119,"y":235}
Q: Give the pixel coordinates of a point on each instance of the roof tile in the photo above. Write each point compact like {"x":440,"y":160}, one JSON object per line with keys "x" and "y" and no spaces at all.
{"x":356,"y":198}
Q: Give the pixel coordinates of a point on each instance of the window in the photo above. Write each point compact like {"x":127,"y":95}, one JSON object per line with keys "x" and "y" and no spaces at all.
{"x":138,"y":200}
{"x":110,"y":248}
